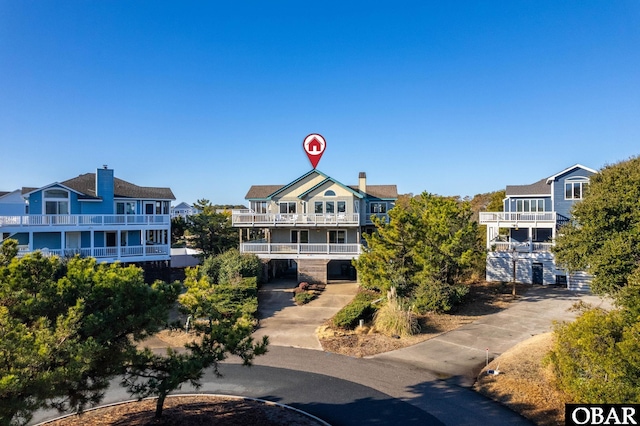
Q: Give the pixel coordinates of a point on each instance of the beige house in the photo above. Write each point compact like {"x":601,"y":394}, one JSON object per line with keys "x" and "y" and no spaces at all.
{"x":313,"y":225}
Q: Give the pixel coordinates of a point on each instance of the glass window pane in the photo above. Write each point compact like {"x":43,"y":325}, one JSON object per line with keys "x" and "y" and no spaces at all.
{"x":519,"y":205}
{"x":318,"y":207}
{"x":304,"y":237}
{"x":51,"y":207}
{"x":292,"y":207}
{"x":331,"y":207}
{"x":283,"y":208}
{"x":342,"y":207}
{"x":526,"y":206}
{"x":576,"y":191}
{"x":568,"y":191}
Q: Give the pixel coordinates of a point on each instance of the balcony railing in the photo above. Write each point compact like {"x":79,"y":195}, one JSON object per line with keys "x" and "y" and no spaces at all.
{"x":303,"y":248}
{"x":248,"y":218}
{"x":520,"y":247}
{"x":125,"y":253}
{"x":517,"y":218}
{"x":82,"y":220}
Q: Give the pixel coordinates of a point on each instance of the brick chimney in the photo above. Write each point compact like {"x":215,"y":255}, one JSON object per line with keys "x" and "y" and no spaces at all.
{"x":362,"y":182}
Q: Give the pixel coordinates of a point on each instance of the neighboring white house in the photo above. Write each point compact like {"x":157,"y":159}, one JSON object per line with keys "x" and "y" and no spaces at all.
{"x":183,"y":210}
{"x":532,"y":216}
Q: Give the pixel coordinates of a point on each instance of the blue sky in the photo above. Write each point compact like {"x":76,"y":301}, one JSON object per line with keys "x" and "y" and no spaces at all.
{"x":209,"y":98}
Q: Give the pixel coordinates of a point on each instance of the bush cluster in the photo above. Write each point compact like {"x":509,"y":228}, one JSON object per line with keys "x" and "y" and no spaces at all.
{"x":438,"y":297}
{"x":304,"y":297}
{"x":361,"y":307}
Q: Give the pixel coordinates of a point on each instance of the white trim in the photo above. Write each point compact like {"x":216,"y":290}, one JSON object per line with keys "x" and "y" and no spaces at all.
{"x":575,"y":166}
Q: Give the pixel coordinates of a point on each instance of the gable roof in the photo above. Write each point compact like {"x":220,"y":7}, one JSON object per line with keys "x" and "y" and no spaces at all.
{"x":355,"y":192}
{"x":182,"y":205}
{"x":575,"y":166}
{"x":265,"y":192}
{"x":85,"y":186}
{"x":539,"y":188}
{"x":261,"y":192}
{"x":379,"y":191}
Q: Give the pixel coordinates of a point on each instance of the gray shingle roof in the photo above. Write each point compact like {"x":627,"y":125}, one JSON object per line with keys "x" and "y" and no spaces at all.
{"x":86,"y":184}
{"x":539,"y":188}
{"x":261,"y":191}
{"x":376,"y":191}
{"x":379,"y":191}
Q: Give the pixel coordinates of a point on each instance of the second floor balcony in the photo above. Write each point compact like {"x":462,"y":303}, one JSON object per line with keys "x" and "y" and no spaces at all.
{"x":512,"y":219}
{"x":525,"y":247}
{"x":248,"y":218}
{"x":82,"y":220}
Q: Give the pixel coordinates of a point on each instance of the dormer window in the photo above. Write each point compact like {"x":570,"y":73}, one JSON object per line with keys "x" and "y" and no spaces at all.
{"x":56,"y":201}
{"x":575,"y":188}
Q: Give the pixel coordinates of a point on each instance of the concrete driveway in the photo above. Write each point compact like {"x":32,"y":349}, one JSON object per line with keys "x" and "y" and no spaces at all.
{"x":460,"y":354}
{"x":288,"y":324}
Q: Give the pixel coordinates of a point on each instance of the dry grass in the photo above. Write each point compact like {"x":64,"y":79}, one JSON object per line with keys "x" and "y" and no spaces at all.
{"x":191,"y":411}
{"x":523,"y":384}
{"x":484,"y":298}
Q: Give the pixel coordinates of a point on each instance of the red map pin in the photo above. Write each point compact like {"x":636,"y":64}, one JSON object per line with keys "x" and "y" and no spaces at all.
{"x":314,"y":145}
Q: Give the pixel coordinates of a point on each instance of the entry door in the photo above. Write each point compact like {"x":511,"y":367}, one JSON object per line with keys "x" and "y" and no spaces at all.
{"x":537,"y":273}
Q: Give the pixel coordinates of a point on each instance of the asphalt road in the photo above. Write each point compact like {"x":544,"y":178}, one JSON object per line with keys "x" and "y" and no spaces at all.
{"x":346,"y":391}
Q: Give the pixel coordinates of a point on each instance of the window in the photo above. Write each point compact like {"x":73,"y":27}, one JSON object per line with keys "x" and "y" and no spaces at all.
{"x":574,"y":189}
{"x":342,"y":207}
{"x":301,"y":237}
{"x":287,"y":207}
{"x":329,"y":193}
{"x":126,"y":207}
{"x":56,"y":201}
{"x":148,"y":208}
{"x":377,"y":207}
{"x":318,"y":207}
{"x":337,"y":237}
{"x":330,"y":207}
{"x":530,"y":205}
{"x":259,"y":207}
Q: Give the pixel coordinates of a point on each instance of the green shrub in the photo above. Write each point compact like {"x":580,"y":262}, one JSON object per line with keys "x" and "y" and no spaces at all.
{"x":230,"y":265}
{"x":595,"y":358}
{"x":395,"y":317}
{"x":438,"y":297}
{"x":360,"y":307}
{"x":304,"y":297}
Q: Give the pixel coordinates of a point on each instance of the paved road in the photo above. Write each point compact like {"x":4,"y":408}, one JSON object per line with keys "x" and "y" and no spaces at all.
{"x":400,"y":387}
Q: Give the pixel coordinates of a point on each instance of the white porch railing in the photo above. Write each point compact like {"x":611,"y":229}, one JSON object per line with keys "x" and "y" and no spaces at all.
{"x":82,"y":220}
{"x":516,"y":218}
{"x":125,"y":252}
{"x":520,"y":247}
{"x":306,"y":248}
{"x":247,"y":218}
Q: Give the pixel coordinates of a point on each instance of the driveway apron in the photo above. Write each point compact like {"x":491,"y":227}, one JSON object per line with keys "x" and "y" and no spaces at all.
{"x":288,"y":324}
{"x":461,"y":353}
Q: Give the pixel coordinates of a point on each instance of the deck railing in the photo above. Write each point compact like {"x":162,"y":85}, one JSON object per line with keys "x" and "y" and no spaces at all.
{"x":520,"y":247}
{"x":82,"y":220}
{"x":517,"y":217}
{"x":124,"y":253}
{"x":302,"y":248}
{"x":247,"y":218}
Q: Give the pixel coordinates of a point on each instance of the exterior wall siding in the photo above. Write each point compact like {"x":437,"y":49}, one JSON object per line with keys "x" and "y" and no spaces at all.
{"x":563,"y":206}
{"x":49,"y":240}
